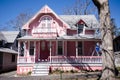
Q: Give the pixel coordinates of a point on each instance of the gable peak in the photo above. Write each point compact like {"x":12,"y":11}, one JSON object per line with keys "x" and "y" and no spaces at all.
{"x":46,"y":9}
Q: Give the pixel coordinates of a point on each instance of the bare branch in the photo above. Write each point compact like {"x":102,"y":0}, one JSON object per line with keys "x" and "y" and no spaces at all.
{"x":80,"y":7}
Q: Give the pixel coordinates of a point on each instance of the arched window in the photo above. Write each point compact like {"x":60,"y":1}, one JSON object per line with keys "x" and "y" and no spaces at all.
{"x":46,"y":22}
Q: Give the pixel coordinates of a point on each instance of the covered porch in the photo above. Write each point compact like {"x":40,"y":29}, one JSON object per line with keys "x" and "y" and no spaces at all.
{"x":36,"y":50}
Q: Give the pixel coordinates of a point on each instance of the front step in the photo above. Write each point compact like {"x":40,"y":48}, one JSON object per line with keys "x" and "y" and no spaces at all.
{"x":40,"y":69}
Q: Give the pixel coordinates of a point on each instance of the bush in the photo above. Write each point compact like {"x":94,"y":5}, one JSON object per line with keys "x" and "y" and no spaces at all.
{"x":73,"y":71}
{"x":29,"y":73}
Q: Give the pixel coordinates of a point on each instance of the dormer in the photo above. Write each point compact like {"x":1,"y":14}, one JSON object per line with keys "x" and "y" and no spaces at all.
{"x":80,"y":27}
{"x":84,"y":29}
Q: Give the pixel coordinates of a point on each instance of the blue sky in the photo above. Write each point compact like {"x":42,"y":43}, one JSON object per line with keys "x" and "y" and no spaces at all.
{"x":9,"y":9}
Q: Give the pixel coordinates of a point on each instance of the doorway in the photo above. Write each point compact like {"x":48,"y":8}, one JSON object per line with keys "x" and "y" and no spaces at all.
{"x":44,"y":50}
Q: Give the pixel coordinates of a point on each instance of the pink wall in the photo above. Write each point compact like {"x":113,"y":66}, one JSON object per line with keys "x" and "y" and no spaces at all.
{"x":71,"y":48}
{"x":65,"y":48}
{"x":92,"y":32}
{"x":37,"y":50}
{"x":71,"y":32}
{"x":62,"y":27}
{"x":76,"y":68}
{"x":89,"y":46}
{"x":24,"y":69}
{"x":54,"y":48}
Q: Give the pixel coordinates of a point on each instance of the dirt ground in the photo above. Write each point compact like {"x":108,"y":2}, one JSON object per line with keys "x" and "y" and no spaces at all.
{"x":64,"y":76}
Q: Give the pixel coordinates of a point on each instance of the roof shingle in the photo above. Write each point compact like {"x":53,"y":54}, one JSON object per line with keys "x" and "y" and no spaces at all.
{"x":8,"y":36}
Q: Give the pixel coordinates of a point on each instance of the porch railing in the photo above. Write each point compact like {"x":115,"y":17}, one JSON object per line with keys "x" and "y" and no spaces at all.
{"x":29,"y":59}
{"x":64,"y":59}
{"x":73,"y":59}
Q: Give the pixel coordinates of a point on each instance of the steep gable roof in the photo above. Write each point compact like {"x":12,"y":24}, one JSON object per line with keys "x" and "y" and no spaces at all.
{"x":45,"y":9}
{"x":9,"y":36}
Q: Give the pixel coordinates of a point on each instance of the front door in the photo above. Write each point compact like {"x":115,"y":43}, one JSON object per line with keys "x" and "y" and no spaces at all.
{"x":44,"y":50}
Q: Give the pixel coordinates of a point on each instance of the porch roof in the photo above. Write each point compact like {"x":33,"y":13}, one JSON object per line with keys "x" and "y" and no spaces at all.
{"x":75,"y":37}
{"x":79,"y":37}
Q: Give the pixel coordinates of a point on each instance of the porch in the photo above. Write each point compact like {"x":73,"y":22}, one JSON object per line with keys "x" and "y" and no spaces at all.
{"x":57,"y":51}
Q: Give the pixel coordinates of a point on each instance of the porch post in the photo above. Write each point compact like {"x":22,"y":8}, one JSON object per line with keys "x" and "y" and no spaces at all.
{"x":28,"y":48}
{"x":26,"y":51}
{"x":39,"y":46}
{"x":76,"y":48}
{"x":63,"y":48}
{"x":18,"y":51}
{"x":50,"y":51}
{"x":34,"y":50}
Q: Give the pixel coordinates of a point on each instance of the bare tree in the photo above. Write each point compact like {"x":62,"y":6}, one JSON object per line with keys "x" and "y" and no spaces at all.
{"x":20,"y":20}
{"x":81,"y":7}
{"x":116,"y":30}
{"x":107,"y":39}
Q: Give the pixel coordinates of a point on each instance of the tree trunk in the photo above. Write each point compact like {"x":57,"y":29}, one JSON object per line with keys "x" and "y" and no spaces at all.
{"x":107,"y":40}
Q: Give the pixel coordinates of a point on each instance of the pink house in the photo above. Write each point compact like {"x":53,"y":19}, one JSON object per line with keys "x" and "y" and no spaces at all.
{"x":54,"y":41}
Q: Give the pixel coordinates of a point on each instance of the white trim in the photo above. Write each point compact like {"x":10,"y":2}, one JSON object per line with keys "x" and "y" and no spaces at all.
{"x":34,"y":50}
{"x":63,"y":47}
{"x":39,"y":12}
{"x":25,"y":49}
{"x":56,"y":48}
{"x":83,"y":30}
{"x":19,"y":52}
{"x":50,"y":51}
{"x":39,"y":50}
{"x":76,"y":45}
{"x":66,"y":48}
{"x":45,"y":16}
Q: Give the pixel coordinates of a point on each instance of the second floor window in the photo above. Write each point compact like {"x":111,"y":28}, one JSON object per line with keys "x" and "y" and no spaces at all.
{"x":80,"y":28}
{"x":46,"y":22}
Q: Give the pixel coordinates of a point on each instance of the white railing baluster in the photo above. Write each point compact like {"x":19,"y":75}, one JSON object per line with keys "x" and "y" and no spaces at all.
{"x":79,"y":59}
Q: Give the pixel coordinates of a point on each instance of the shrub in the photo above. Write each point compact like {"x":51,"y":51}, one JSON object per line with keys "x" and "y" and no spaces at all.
{"x":29,"y":73}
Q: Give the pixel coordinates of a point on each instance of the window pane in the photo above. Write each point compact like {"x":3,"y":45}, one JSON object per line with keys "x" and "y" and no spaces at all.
{"x":80,"y":48}
{"x":31,"y":51}
{"x":80,"y":28}
{"x":60,"y":48}
{"x":13,"y":58}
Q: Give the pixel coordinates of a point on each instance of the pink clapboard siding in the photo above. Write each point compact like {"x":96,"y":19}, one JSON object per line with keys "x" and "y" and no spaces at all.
{"x":71,"y":48}
{"x":53,"y":48}
{"x":37,"y":50}
{"x":71,"y":32}
{"x":89,"y":46}
{"x":90,"y":32}
{"x":56,"y":24}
